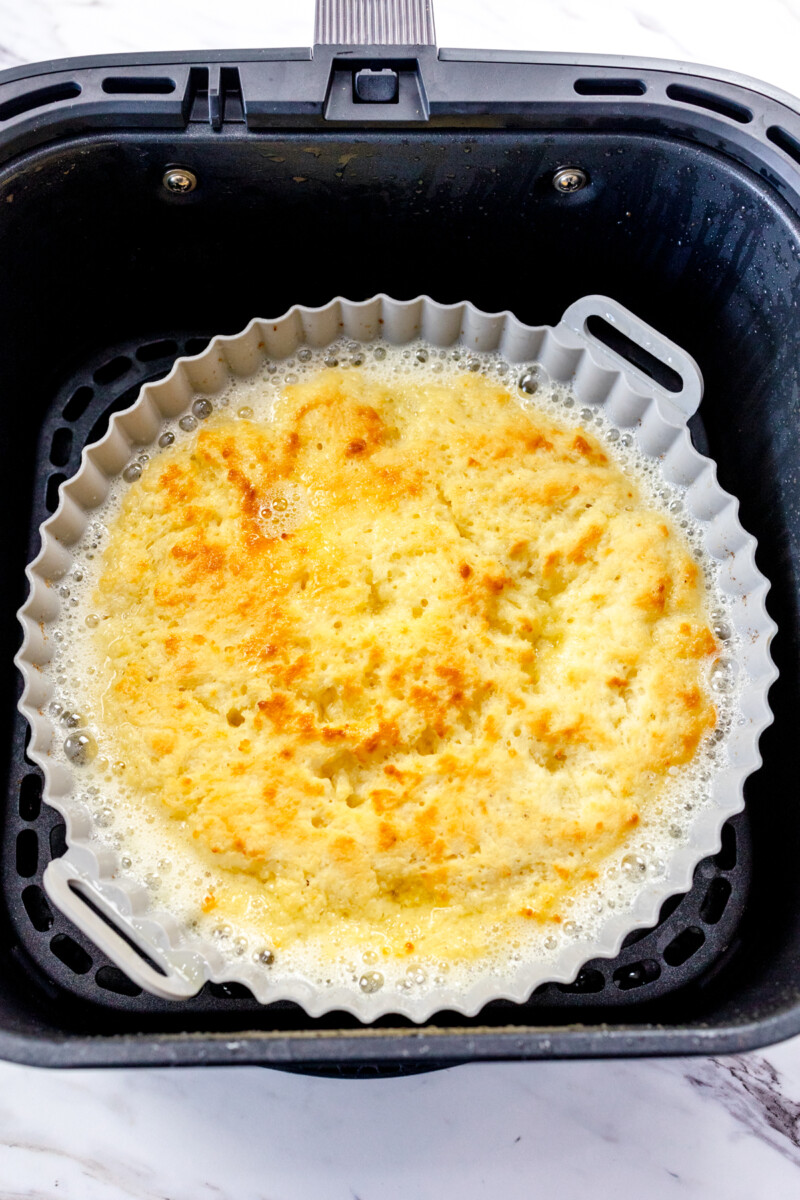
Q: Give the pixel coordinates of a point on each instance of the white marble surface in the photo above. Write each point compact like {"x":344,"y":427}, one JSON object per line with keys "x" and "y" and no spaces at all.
{"x":716,"y":1130}
{"x":699,"y":1129}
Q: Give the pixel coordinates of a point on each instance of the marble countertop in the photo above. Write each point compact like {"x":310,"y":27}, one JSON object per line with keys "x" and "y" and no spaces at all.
{"x":709,"y":1130}
{"x":725,"y":1129}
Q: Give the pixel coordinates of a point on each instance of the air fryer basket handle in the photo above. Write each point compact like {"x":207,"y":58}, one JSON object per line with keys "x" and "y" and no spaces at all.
{"x":686,"y":399}
{"x":374,"y":23}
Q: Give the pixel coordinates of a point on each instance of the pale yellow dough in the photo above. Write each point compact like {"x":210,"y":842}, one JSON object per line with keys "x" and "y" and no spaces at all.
{"x":408,"y":662}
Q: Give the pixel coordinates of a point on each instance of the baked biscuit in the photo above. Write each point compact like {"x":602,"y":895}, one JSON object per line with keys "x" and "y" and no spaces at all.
{"x":408,"y":657}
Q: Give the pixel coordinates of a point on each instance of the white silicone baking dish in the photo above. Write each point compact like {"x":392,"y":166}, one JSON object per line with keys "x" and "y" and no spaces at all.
{"x":121,"y":914}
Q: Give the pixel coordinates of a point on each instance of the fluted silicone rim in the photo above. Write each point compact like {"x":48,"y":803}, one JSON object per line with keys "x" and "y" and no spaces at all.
{"x":570,"y":355}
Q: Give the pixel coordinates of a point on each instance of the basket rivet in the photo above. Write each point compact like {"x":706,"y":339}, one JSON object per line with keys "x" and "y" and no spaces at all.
{"x":179,"y":180}
{"x":570,"y":179}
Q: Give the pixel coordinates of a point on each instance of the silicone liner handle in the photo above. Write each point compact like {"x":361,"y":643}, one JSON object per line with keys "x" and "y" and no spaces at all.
{"x":687,"y":399}
{"x":172,"y":985}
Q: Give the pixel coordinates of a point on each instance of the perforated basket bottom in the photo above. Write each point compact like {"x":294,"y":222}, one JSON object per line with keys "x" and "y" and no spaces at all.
{"x":693,"y":932}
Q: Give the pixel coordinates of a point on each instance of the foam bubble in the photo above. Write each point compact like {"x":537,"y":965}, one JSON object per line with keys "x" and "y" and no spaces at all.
{"x":202,"y":408}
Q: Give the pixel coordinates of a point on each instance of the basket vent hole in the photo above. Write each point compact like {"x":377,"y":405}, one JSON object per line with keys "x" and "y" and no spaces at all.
{"x":38,"y":98}
{"x":51,"y":495}
{"x":684,"y":946}
{"x":27,"y":853}
{"x":195,"y":346}
{"x":71,"y":954}
{"x":230,"y":991}
{"x":634,"y":975}
{"x":668,"y":908}
{"x":37,"y":908}
{"x":61,"y":446}
{"x":715,"y":900}
{"x":114,"y":369}
{"x":30,"y":797}
{"x":58,"y":840}
{"x":114,"y":980}
{"x":77,"y":404}
{"x":100,"y":426}
{"x":610,"y":87}
{"x":633,"y":937}
{"x":713,"y":102}
{"x":726,"y":858}
{"x":784,"y":141}
{"x":153,"y":351}
{"x":138,"y":85}
{"x":587,"y":980}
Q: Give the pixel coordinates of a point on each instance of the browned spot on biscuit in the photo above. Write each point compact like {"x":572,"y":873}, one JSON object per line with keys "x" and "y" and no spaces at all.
{"x":586,"y":450}
{"x":588,"y":541}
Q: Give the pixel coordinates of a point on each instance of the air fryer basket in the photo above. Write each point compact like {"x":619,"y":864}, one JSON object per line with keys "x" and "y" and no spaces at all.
{"x":687,"y":211}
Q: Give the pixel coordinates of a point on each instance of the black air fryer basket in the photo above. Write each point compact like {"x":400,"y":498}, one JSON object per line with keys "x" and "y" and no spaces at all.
{"x":148,"y":202}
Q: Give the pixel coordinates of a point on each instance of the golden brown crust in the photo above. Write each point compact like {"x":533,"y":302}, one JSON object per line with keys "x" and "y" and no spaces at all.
{"x":406,"y":647}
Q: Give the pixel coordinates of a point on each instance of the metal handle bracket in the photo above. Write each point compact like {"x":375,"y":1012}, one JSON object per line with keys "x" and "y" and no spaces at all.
{"x":374,"y":23}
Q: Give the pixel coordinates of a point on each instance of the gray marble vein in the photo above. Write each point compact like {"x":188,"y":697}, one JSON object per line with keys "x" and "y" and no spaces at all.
{"x":754,"y":1092}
